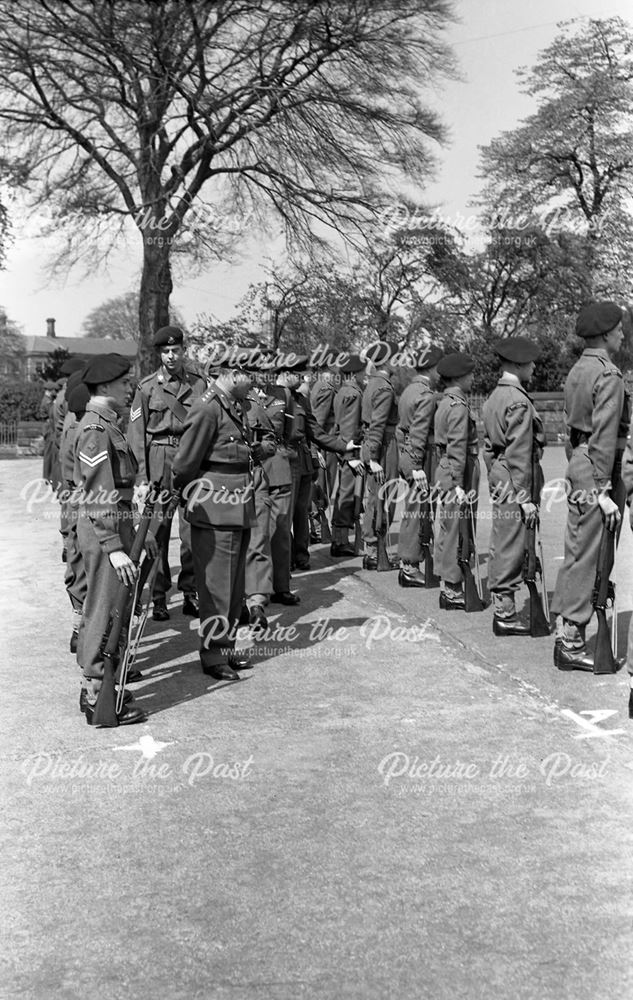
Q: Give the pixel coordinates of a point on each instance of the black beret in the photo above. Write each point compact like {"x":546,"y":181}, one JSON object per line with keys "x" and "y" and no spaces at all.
{"x":105,"y":368}
{"x":71,"y":365}
{"x":353,"y":364}
{"x":519,"y":350}
{"x":292,"y":363}
{"x":77,"y":397}
{"x":598,"y":318}
{"x":427,"y":357}
{"x":168,"y":336}
{"x":380,"y":352}
{"x":455,"y":365}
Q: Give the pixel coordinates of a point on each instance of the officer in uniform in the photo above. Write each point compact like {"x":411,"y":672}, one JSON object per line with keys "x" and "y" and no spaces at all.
{"x":213,"y":466}
{"x":416,"y":445}
{"x":105,"y":470}
{"x":379,"y":451}
{"x":347,"y":419}
{"x":513,"y":447}
{"x":305,"y":431}
{"x":157,"y":417}
{"x":597,"y":417}
{"x":77,"y":398}
{"x":457,"y":473}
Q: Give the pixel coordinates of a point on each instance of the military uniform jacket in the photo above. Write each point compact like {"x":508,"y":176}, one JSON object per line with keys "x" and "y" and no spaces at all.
{"x":416,"y":413}
{"x":306,"y":430}
{"x":157,"y":417}
{"x":213,"y":463}
{"x":456,"y":440}
{"x":513,"y":431}
{"x":322,"y":396}
{"x":275,"y":466}
{"x":67,"y":449}
{"x":379,"y":416}
{"x":105,"y":470}
{"x":596,"y":407}
{"x":347,"y":410}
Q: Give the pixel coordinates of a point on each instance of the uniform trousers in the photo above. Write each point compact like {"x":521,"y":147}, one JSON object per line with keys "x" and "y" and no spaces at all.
{"x":576,"y":577}
{"x":160,"y":461}
{"x":75,"y":575}
{"x":343,"y":513}
{"x":268,"y":556}
{"x":415,"y":502}
{"x":101,"y":587}
{"x":219,"y":560}
{"x":299,"y":512}
{"x":446,"y":551}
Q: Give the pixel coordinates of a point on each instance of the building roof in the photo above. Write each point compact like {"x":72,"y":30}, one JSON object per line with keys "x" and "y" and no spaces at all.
{"x":88,"y":346}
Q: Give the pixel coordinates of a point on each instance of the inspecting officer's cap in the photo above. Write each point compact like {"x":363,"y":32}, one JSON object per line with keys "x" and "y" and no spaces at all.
{"x":455,"y":365}
{"x":77,"y":397}
{"x":72,"y":365}
{"x":105,"y":368}
{"x":168,"y":336}
{"x":597,"y":318}
{"x":519,"y":350}
{"x":381,"y":352}
{"x":353,"y":364}
{"x":426,"y":357}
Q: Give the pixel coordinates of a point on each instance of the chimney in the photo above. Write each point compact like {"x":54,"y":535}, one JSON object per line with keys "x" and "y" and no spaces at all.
{"x":50,"y":327}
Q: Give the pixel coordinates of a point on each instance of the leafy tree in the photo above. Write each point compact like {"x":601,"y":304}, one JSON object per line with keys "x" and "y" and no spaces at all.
{"x":571,"y":162}
{"x":125,"y":109}
{"x":12,"y":347}
{"x":52,"y":370}
{"x":117,"y":318}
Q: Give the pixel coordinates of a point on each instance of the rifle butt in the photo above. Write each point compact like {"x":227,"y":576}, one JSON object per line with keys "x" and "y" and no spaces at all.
{"x":359,"y":545}
{"x":104,"y":713}
{"x":604,"y":661}
{"x":539,"y":625}
{"x":631,"y":700}
{"x":383,"y":564}
{"x":326,"y":534}
{"x":472,"y":600}
{"x":430,"y":579}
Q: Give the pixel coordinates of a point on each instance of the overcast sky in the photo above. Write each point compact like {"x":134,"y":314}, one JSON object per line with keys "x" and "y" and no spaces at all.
{"x":491,"y":40}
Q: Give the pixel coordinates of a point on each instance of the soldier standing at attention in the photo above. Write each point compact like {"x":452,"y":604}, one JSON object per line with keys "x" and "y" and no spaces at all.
{"x":457,"y":474}
{"x":513,"y":447}
{"x":157,"y":417}
{"x":77,"y":398}
{"x":105,"y":469}
{"x":213,"y":467}
{"x":379,"y":451}
{"x":597,"y":416}
{"x":347,"y":410}
{"x":322,"y":392}
{"x":414,"y":434}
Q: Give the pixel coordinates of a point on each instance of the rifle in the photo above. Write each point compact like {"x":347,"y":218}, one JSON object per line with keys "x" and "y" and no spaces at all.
{"x":105,"y":711}
{"x":426,"y":527}
{"x":359,"y":489}
{"x":473,"y":599}
{"x":326,"y":534}
{"x":147,"y":575}
{"x":383,"y":563}
{"x":533,"y":567}
{"x":603,"y":596}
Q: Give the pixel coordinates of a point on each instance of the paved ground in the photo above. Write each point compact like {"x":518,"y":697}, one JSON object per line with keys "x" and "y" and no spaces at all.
{"x":407,"y":808}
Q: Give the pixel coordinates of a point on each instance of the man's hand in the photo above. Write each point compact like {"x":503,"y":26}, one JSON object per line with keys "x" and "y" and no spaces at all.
{"x":140,"y":494}
{"x":419,"y":478}
{"x":529,"y":511}
{"x":460,"y":495}
{"x":356,"y":465}
{"x":610,"y":511}
{"x":351,"y":446}
{"x":125,"y":568}
{"x":377,"y":471}
{"x":151,"y":545}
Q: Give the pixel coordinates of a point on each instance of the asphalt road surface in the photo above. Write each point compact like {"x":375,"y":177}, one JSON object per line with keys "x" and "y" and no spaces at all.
{"x":390,"y":804}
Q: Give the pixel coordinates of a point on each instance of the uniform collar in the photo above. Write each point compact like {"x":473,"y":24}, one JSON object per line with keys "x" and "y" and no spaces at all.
{"x":455,"y":390}
{"x":596,"y":352}
{"x":420,"y":377}
{"x":105,"y":411}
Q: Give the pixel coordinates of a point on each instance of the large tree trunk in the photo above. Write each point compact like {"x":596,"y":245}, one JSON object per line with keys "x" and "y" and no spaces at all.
{"x":156,"y":288}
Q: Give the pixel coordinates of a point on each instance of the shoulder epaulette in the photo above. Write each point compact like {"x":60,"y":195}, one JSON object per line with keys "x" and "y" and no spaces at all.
{"x":93,"y":427}
{"x":148,"y":378}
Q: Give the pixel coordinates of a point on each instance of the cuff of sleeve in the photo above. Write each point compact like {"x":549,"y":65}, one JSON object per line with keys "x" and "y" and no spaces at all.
{"x":112,"y":544}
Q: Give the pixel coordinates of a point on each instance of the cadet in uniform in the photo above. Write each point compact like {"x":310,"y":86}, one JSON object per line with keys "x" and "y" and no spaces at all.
{"x":305,"y":431}
{"x":414,"y":435}
{"x":58,"y":412}
{"x":457,"y":474}
{"x":105,"y":470}
{"x":77,"y":398}
{"x":157,"y":416}
{"x":513,"y":447}
{"x":322,"y":394}
{"x":347,"y":413}
{"x":597,"y":417}
{"x":379,"y":451}
{"x":213,"y":467}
